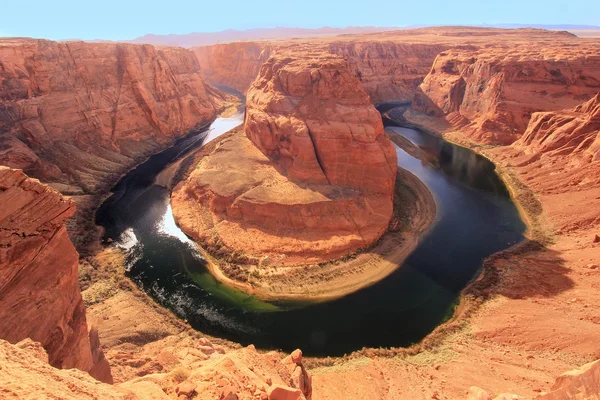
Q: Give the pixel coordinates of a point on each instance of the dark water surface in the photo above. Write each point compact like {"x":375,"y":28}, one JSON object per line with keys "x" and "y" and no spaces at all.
{"x":475,"y":218}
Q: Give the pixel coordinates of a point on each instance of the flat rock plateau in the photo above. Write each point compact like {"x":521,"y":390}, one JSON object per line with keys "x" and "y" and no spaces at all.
{"x":75,"y":116}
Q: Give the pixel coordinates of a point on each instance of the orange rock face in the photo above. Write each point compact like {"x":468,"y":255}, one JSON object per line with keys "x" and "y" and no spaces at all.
{"x":39,"y":288}
{"x":388,"y":70}
{"x":80,"y":114}
{"x":315,"y":122}
{"x":491,"y":93}
{"x":314,"y":182}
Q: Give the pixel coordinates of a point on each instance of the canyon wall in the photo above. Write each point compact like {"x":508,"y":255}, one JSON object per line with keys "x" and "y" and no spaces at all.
{"x":387,"y":70}
{"x":235,"y":64}
{"x":81,"y":114}
{"x":491,"y":93}
{"x":484,"y":81}
{"x":39,"y":288}
{"x":310,"y":179}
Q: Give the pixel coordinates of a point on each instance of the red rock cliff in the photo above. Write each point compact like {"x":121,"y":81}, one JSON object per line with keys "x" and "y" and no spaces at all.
{"x":39,"y":288}
{"x":387,"y":70}
{"x":80,"y":114}
{"x":574,"y":132}
{"x":491,"y":93}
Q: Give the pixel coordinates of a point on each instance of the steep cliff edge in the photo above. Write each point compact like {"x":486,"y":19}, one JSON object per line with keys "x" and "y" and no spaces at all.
{"x":39,"y":288}
{"x":491,"y":93}
{"x":80,"y":114}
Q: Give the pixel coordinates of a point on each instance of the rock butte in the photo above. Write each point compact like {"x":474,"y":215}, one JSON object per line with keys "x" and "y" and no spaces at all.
{"x":539,"y":315}
{"x":311,"y":180}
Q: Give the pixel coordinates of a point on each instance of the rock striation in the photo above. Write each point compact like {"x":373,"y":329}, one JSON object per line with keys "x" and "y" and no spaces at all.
{"x":39,"y":288}
{"x":311,"y":178}
{"x":387,"y":70}
{"x":81,"y":114}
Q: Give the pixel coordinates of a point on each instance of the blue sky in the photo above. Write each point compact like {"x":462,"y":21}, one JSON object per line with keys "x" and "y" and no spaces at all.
{"x":127,"y":19}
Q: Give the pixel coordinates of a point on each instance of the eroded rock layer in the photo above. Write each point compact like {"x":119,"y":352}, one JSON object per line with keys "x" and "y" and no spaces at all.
{"x":80,"y":114}
{"x":39,"y":288}
{"x":312,"y":178}
{"x":235,"y":64}
{"x":387,"y":70}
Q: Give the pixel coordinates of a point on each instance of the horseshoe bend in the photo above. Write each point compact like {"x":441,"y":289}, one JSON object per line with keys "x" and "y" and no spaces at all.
{"x":308,"y":179}
{"x":302,"y":214}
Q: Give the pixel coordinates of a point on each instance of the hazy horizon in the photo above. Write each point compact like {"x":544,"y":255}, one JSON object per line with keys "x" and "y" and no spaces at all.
{"x":119,"y":20}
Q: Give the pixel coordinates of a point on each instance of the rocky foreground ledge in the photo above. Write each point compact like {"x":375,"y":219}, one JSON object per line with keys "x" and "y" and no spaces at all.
{"x":310,"y":179}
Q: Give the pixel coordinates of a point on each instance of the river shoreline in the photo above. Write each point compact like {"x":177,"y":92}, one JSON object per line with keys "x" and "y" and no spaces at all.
{"x":351,"y":273}
{"x":479,"y":291}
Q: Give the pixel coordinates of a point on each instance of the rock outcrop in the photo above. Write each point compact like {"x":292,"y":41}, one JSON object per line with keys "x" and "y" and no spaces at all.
{"x":81,"y":114}
{"x":25,"y":374}
{"x":39,"y":287}
{"x":312,"y":118}
{"x":312,"y":178}
{"x":198,"y":370}
{"x":388,"y":70}
{"x":491,"y":93}
{"x":574,"y":133}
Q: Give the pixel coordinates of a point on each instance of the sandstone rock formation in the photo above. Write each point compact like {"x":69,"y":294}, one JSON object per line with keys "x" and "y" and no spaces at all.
{"x":39,"y":288}
{"x":25,"y":374}
{"x":312,"y":180}
{"x":315,"y":122}
{"x":491,"y":93}
{"x":387,"y":70}
{"x":80,"y":114}
{"x":574,"y":132}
